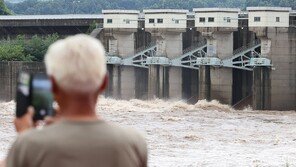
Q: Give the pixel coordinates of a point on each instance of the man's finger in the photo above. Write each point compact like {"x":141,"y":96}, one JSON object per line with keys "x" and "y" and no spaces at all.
{"x":31,"y":111}
{"x":37,"y":123}
{"x":2,"y":163}
{"x":25,"y":122}
{"x":49,"y":120}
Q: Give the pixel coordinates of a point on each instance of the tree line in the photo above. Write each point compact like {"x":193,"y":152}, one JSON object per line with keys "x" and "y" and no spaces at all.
{"x":22,"y":49}
{"x":3,"y":8}
{"x":34,"y":49}
{"x":95,"y":6}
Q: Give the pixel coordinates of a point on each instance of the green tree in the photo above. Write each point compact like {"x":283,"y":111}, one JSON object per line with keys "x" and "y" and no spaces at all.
{"x":12,"y":52}
{"x":37,"y":46}
{"x":3,"y":9}
{"x":95,"y":6}
{"x":22,"y":49}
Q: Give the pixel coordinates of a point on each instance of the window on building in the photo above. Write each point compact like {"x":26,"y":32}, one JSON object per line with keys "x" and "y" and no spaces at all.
{"x":159,"y":20}
{"x":127,"y":21}
{"x":109,"y":21}
{"x":151,"y":20}
{"x":277,"y":19}
{"x":257,"y":19}
{"x":177,"y":21}
{"x":211,"y":19}
{"x":202,"y":19}
{"x":228,"y":20}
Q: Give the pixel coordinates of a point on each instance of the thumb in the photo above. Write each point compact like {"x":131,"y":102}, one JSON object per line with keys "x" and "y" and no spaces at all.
{"x":31,"y":111}
{"x":49,"y":120}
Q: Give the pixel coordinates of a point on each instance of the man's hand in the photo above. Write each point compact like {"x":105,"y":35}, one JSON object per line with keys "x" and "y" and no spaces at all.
{"x":25,"y":122}
{"x":2,"y":163}
{"x":50,"y":120}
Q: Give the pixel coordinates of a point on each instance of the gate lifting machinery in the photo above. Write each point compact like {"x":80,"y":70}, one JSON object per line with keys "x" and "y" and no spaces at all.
{"x":245,"y":58}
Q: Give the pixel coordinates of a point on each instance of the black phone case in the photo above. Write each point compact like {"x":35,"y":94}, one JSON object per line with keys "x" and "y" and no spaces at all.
{"x":23,"y":98}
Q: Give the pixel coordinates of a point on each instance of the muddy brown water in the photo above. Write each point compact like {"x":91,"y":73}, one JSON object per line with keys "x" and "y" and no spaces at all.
{"x":204,"y":134}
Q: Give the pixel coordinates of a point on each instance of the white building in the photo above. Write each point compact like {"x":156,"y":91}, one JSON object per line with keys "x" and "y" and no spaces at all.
{"x":216,"y":17}
{"x":268,"y":16}
{"x":121,"y":18}
{"x":165,"y":18}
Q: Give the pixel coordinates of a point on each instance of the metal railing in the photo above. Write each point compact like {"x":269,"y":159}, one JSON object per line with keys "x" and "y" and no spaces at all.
{"x":99,"y":25}
{"x":140,"y":49}
{"x":246,"y":47}
{"x":194,"y":46}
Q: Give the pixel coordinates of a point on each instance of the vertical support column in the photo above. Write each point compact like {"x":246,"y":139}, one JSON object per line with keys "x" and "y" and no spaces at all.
{"x":261,"y":79}
{"x":204,"y":83}
{"x":190,"y":85}
{"x":122,"y":44}
{"x":166,"y":81}
{"x":220,"y":44}
{"x":174,"y":48}
{"x":157,"y":82}
{"x":277,"y":44}
{"x":114,"y":85}
{"x":261,"y":88}
{"x":246,"y":83}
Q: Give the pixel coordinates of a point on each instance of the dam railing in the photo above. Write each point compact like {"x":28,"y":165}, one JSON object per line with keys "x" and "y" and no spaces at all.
{"x":194,"y":46}
{"x":246,"y":47}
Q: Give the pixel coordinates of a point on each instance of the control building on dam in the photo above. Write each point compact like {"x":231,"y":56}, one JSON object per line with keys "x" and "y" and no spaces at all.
{"x":237,"y":57}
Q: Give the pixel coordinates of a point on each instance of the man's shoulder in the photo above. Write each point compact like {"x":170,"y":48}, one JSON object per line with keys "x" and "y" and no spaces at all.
{"x":73,"y":139}
{"x":111,"y":130}
{"x":126,"y":135}
{"x":130,"y":134}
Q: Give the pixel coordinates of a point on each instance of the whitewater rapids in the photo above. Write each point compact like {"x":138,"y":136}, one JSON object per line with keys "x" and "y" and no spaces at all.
{"x":204,"y":134}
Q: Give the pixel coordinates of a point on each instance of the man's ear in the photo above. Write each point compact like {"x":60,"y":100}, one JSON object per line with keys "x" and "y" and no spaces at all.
{"x":54,"y":86}
{"x":104,"y":84}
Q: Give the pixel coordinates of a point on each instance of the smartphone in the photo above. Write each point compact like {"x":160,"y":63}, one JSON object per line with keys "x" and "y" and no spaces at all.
{"x":34,"y":90}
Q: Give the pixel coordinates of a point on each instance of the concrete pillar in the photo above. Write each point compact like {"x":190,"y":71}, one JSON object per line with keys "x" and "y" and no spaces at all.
{"x":242,"y":87}
{"x":190,"y":85}
{"x":261,"y":88}
{"x":220,"y":44}
{"x":247,"y":81}
{"x":157,"y":82}
{"x":122,"y":44}
{"x":166,"y":81}
{"x":277,"y":44}
{"x":204,"y":83}
{"x":114,"y":85}
{"x":141,"y":87}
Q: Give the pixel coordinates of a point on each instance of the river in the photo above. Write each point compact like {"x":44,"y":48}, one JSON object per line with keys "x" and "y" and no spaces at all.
{"x":204,"y":134}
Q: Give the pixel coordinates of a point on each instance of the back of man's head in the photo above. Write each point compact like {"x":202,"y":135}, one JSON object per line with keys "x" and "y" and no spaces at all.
{"x":77,"y":63}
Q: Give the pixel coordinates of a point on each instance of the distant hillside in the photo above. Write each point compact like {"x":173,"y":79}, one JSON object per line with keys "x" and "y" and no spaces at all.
{"x":3,"y":9}
{"x":14,"y":1}
{"x":95,"y":6}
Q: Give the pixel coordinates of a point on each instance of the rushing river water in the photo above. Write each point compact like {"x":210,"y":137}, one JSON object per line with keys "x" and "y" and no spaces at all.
{"x":204,"y":134}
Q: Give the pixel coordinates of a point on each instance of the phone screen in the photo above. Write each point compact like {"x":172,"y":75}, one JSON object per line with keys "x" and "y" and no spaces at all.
{"x":42,"y":98}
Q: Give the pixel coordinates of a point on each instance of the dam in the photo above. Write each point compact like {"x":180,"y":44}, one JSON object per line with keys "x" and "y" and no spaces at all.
{"x":239,"y":58}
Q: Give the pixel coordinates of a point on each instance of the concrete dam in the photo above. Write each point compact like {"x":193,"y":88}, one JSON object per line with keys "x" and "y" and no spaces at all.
{"x":237,"y":57}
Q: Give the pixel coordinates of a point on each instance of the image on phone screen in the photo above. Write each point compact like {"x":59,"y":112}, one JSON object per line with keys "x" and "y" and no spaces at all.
{"x":42,"y":98}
